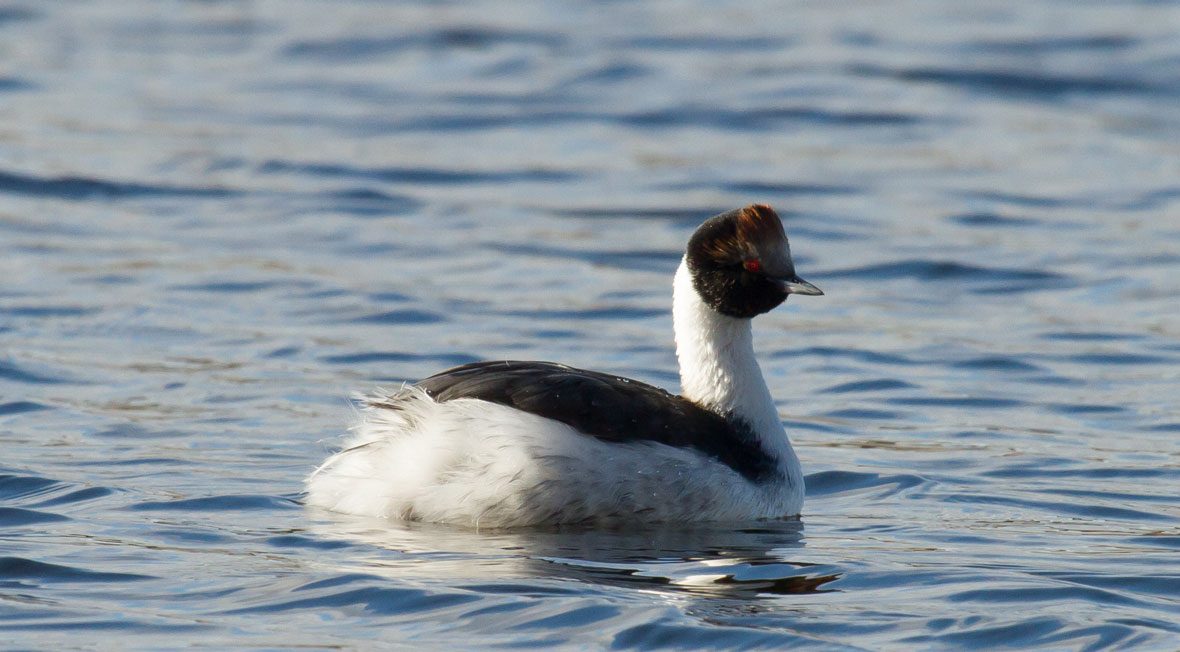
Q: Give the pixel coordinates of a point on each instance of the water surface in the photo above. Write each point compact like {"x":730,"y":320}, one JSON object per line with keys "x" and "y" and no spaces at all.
{"x":218,"y":219}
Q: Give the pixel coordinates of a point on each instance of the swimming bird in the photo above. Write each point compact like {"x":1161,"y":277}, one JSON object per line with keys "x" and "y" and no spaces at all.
{"x":513,"y":443}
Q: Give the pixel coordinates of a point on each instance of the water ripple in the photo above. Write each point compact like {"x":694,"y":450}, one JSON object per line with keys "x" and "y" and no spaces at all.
{"x":938,"y":270}
{"x":229,"y":502}
{"x":1014,"y":82}
{"x":10,"y":370}
{"x":220,"y":218}
{"x":352,"y":359}
{"x":84,"y":188}
{"x":15,"y":517}
{"x":18,"y":568}
{"x":341,"y":50}
{"x":415,"y":175}
{"x":20,"y":407}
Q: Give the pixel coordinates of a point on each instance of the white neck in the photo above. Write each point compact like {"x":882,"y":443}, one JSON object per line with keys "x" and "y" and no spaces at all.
{"x":717,"y":366}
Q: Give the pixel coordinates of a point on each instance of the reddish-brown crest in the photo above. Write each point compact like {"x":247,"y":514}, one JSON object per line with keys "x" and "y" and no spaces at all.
{"x":759,"y":225}
{"x":745,"y":234}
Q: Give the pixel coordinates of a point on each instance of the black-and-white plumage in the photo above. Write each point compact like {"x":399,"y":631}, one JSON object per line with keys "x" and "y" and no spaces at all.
{"x":610,"y":408}
{"x":510,"y":443}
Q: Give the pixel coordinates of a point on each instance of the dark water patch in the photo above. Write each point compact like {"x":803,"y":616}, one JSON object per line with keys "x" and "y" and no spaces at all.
{"x":135,"y":461}
{"x":449,"y":359}
{"x":1018,"y":83}
{"x":688,"y":215}
{"x":1045,"y":44}
{"x":1085,"y":408}
{"x":1056,"y":381}
{"x":404,"y":602}
{"x":680,"y":117}
{"x":233,"y":287}
{"x":757,"y":119}
{"x":15,"y":517}
{"x":1165,"y":584}
{"x":14,"y":486}
{"x":571,"y":618}
{"x":1074,"y":509}
{"x":942,"y":270}
{"x":83,"y":188}
{"x":1164,"y":427}
{"x":16,"y":14}
{"x":1152,"y":200}
{"x":39,"y":312}
{"x":374,"y":250}
{"x":974,"y":402}
{"x":77,"y":496}
{"x":610,"y":73}
{"x":991,"y":220}
{"x":417,"y":175}
{"x":555,"y":334}
{"x":122,"y":624}
{"x":519,"y":101}
{"x":1037,"y":470}
{"x":1119,"y":358}
{"x":336,"y":580}
{"x":112,"y":279}
{"x":138,"y":431}
{"x":703,"y":42}
{"x":1119,"y":496}
{"x":295,"y":541}
{"x":1155,"y":541}
{"x":388,"y":297}
{"x":191,"y":536}
{"x":322,"y":293}
{"x":366,"y":202}
{"x":14,"y":84}
{"x":283,"y":352}
{"x":860,"y":355}
{"x":661,"y":635}
{"x":10,"y":370}
{"x":401,"y":317}
{"x":226,"y":503}
{"x":1030,"y":594}
{"x":1028,"y":201}
{"x":21,"y":407}
{"x":605,"y":312}
{"x":827,"y":483}
{"x":1036,"y":632}
{"x":787,"y":189}
{"x":876,"y":385}
{"x":764,"y":188}
{"x":19,"y":568}
{"x":637,"y":259}
{"x":864,"y":413}
{"x":1089,"y":336}
{"x":521,"y":589}
{"x":997,"y":363}
{"x":341,"y":50}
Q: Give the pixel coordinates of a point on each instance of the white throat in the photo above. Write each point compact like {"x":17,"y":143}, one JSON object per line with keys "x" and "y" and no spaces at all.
{"x":718,"y":370}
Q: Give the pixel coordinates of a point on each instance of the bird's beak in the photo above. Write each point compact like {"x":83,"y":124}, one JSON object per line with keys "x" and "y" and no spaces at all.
{"x":796,"y":285}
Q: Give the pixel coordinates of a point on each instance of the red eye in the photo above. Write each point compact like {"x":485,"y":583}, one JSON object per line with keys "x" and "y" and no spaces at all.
{"x":753,"y":265}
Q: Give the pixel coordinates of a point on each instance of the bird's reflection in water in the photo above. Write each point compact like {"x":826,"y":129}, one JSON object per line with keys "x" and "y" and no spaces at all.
{"x":742,"y":560}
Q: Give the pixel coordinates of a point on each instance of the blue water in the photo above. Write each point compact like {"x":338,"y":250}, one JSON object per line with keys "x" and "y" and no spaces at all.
{"x":218,"y":219}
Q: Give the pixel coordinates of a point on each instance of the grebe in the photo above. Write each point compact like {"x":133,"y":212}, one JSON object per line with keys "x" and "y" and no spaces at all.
{"x":509,"y":443}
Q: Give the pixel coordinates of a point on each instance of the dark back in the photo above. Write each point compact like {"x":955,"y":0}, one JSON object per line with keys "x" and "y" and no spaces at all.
{"x":610,"y":408}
